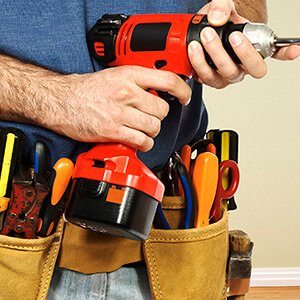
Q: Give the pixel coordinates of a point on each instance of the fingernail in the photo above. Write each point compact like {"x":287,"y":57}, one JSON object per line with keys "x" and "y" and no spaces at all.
{"x":194,"y":47}
{"x":235,"y":39}
{"x":208,"y":34}
{"x":217,"y":16}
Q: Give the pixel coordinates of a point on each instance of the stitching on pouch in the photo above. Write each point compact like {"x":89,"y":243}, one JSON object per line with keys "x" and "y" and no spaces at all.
{"x":27,"y":247}
{"x":151,"y":269}
{"x":43,"y":273}
{"x":190,"y":239}
{"x":51,"y":265}
{"x":156,"y":272}
{"x":173,"y":207}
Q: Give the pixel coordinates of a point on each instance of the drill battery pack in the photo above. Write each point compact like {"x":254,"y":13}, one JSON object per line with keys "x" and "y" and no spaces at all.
{"x":114,"y":192}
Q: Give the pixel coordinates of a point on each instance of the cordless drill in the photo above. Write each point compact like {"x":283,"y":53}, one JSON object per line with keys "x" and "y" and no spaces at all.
{"x":113,"y":191}
{"x":160,"y":41}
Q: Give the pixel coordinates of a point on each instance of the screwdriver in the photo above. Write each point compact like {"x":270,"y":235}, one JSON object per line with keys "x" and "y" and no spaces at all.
{"x":11,"y":141}
{"x":54,"y":203}
{"x":205,"y":179}
{"x":41,"y":158}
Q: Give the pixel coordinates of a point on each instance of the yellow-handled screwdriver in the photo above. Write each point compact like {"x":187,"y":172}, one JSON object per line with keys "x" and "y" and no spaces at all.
{"x":11,"y":140}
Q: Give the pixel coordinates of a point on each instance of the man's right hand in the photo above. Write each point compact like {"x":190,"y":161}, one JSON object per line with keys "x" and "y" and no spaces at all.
{"x":111,"y":105}
{"x":114,"y":105}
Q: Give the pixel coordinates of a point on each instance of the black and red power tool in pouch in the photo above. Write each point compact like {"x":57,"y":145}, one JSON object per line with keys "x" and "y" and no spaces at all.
{"x":114,"y":192}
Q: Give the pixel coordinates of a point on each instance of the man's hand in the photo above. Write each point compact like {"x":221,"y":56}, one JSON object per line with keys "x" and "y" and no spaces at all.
{"x":114,"y":105}
{"x":228,"y":72}
{"x":111,"y":105}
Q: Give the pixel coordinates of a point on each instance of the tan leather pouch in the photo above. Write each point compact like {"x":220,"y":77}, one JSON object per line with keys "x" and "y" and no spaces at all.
{"x":187,"y":264}
{"x":26,"y":265}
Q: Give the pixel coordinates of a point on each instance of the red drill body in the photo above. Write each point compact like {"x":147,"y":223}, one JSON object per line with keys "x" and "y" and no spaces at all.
{"x":155,"y":41}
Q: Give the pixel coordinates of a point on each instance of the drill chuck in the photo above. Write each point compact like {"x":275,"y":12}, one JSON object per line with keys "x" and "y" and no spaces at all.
{"x":262,"y":38}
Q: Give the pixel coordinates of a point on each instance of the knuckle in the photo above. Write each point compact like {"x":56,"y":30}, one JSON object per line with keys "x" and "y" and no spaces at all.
{"x":114,"y":130}
{"x":208,"y":78}
{"x":114,"y":112}
{"x":231,"y":74}
{"x":151,"y":126}
{"x":155,"y":126}
{"x":234,"y":76}
{"x":171,"y":80}
{"x":220,"y":84}
{"x":164,"y":109}
{"x":145,"y":143}
{"x":124,"y":91}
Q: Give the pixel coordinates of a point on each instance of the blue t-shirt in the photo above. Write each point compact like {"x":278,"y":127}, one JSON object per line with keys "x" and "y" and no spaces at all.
{"x":53,"y":34}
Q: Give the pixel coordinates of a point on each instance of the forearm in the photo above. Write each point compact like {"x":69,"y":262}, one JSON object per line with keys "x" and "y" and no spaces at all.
{"x":111,"y":105}
{"x":254,"y":11}
{"x":29,"y":94}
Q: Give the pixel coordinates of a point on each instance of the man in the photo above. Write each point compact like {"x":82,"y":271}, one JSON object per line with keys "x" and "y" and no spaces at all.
{"x":71,"y":105}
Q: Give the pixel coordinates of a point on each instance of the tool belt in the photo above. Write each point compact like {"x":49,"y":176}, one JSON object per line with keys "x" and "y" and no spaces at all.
{"x":26,"y":265}
{"x":181,"y":264}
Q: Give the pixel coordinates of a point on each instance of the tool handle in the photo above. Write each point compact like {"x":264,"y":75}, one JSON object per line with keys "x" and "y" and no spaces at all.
{"x":53,"y":205}
{"x":205,"y":179}
{"x":41,"y":156}
{"x":226,"y":194}
{"x":189,"y":193}
{"x":4,"y":201}
{"x":221,"y":193}
{"x":11,"y":143}
{"x":223,"y":32}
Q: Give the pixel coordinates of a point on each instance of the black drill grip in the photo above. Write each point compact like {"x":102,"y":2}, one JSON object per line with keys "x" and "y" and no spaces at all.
{"x":224,"y":32}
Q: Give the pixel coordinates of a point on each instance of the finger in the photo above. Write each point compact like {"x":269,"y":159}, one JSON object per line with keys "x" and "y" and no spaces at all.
{"x":152,"y":105}
{"x":219,"y":12}
{"x":141,"y":121}
{"x":252,"y":61}
{"x":163,"y":81}
{"x":227,"y":68}
{"x":135,"y":139}
{"x":287,"y":53}
{"x":205,"y":74}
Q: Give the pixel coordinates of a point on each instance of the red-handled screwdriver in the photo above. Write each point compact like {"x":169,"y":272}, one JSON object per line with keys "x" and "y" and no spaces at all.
{"x":53,"y":206}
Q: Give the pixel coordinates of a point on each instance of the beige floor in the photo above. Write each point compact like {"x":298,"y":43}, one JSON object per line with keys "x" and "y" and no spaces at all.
{"x":286,"y":293}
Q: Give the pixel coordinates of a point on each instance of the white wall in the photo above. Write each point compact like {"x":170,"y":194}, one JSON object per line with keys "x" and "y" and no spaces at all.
{"x":266,"y":114}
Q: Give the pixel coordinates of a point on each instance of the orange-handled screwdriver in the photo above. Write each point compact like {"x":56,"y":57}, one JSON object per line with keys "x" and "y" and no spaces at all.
{"x":205,"y":179}
{"x":52,"y":208}
{"x":185,"y":155}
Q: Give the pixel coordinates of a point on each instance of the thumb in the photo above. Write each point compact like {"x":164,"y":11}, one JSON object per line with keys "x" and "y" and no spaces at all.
{"x":219,"y":12}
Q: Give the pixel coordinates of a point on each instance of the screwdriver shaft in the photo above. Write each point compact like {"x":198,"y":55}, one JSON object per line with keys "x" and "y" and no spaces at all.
{"x":279,"y":42}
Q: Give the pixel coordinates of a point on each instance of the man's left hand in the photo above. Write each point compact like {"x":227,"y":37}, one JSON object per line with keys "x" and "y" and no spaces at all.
{"x":228,"y":72}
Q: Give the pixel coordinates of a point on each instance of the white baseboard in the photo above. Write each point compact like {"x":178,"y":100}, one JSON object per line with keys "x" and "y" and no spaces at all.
{"x":275,"y":277}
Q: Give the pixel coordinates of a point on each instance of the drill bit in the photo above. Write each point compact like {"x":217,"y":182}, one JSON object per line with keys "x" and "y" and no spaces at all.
{"x":281,"y":42}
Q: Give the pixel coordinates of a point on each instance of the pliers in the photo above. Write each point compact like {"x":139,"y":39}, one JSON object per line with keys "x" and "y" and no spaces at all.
{"x":189,"y":194}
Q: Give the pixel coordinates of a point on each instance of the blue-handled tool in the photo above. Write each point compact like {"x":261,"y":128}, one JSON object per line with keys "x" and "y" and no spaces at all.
{"x":41,"y":159}
{"x":189,"y":195}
